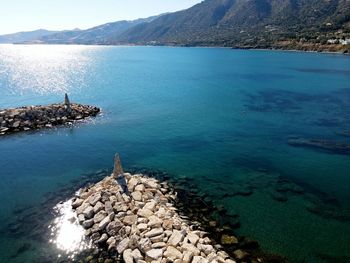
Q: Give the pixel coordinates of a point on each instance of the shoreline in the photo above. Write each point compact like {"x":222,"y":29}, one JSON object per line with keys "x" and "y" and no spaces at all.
{"x":189,"y":46}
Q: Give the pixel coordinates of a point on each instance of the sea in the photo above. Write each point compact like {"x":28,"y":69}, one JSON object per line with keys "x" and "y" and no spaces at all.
{"x":223,"y":118}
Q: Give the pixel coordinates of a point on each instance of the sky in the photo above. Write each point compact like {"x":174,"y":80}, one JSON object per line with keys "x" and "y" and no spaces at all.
{"x":27,"y":15}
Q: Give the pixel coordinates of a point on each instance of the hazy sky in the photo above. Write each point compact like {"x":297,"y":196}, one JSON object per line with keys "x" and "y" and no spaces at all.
{"x":24,"y":15}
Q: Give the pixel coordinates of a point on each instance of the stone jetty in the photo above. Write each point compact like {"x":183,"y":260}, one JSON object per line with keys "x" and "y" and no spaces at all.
{"x":38,"y":117}
{"x":139,"y":223}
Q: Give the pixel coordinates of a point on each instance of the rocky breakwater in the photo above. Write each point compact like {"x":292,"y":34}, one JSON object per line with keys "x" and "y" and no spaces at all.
{"x":132,"y":219}
{"x":38,"y":117}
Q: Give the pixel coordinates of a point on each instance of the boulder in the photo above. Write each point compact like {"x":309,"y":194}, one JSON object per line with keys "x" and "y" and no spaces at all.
{"x":154,"y":221}
{"x":100,"y":216}
{"x":113,"y":227}
{"x":127,"y":256}
{"x":136,"y":254}
{"x":228,"y":240}
{"x":193,"y":238}
{"x":199,"y":259}
{"x":93,"y":199}
{"x":88,"y":223}
{"x":78,"y":202}
{"x":154,"y":232}
{"x":102,"y":225}
{"x":175,"y":238}
{"x":144,"y":212}
{"x":98,"y":207}
{"x":172,"y":253}
{"x":123,"y":245}
{"x":142,"y":226}
{"x":130,"y":220}
{"x":154,"y":253}
{"x":137,"y":196}
{"x":132,"y":183}
{"x":187,"y":256}
{"x":189,"y":247}
{"x":88,"y":212}
{"x":102,"y":239}
{"x":240,"y":254}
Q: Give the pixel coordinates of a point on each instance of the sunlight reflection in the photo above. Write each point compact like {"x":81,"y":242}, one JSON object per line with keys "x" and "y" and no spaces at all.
{"x":44,"y":68}
{"x":67,"y":234}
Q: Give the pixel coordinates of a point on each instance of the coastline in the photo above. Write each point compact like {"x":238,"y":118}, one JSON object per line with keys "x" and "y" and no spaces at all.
{"x":272,"y":48}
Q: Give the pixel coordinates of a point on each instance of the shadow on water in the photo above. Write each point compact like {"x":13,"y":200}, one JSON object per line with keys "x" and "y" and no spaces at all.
{"x":323,"y":71}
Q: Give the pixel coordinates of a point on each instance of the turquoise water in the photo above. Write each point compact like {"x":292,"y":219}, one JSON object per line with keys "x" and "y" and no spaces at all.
{"x":220,"y":116}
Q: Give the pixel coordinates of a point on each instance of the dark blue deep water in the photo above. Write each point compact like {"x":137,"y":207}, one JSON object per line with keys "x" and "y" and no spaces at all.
{"x":222,"y":117}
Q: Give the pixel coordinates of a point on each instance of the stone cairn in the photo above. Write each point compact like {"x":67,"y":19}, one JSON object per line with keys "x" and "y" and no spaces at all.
{"x":133,"y":217}
{"x":38,"y":117}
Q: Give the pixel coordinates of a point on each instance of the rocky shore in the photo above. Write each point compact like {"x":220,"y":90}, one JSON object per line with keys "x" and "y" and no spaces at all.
{"x":38,"y":117}
{"x":132,"y":218}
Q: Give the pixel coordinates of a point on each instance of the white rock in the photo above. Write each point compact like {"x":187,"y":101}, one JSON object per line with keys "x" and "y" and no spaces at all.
{"x":136,"y":254}
{"x":100,"y":216}
{"x":81,"y":218}
{"x":161,"y":212}
{"x":159,"y":245}
{"x":144,"y":212}
{"x":175,"y":238}
{"x":111,"y":240}
{"x":193,"y":238}
{"x":199,"y":259}
{"x":102,"y":225}
{"x":140,"y":188}
{"x":130,"y":219}
{"x":132,"y":183}
{"x":154,"y":253}
{"x":142,"y":227}
{"x":154,"y":232}
{"x":191,"y":248}
{"x":168,"y":224}
{"x":137,"y":196}
{"x":154,"y":221}
{"x":157,"y":238}
{"x":150,"y":205}
{"x":78,"y":202}
{"x":93,"y":199}
{"x":172,"y":253}
{"x":187,"y":256}
{"x":123,"y":245}
{"x":98,"y":207}
{"x":150,"y":183}
{"x":127,"y":256}
{"x":88,"y":212}
{"x":145,"y":244}
{"x":207,"y":249}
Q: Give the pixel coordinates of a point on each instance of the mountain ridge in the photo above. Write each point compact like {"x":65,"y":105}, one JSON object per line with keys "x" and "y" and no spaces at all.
{"x":319,"y":25}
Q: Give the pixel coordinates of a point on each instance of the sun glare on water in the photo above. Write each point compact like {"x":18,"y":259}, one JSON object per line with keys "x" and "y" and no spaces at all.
{"x":67,"y":234}
{"x":44,"y":68}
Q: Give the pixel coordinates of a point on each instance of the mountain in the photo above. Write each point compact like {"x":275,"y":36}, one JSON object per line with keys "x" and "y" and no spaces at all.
{"x":97,"y":35}
{"x":246,"y":23}
{"x":24,"y":36}
{"x":322,"y":25}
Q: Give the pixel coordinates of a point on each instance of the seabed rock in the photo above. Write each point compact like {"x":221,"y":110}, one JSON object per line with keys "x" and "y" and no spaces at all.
{"x":326,"y":145}
{"x":37,"y":117}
